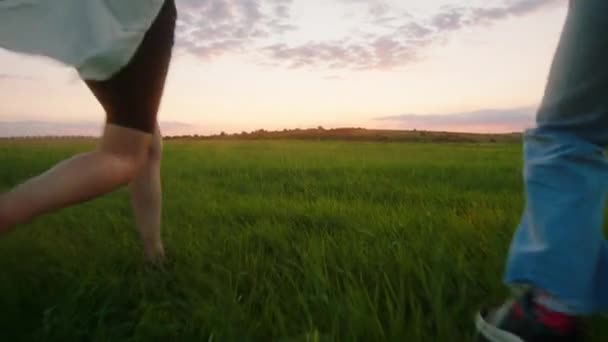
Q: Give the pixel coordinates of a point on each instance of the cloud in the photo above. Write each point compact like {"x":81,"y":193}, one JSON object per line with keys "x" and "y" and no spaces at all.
{"x":4,"y":76}
{"x":456,"y":17}
{"x":83,"y":128}
{"x":391,"y":37}
{"x":210,"y":28}
{"x":491,"y":120}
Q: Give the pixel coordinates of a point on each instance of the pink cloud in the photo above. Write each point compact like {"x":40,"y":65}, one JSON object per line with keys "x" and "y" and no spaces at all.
{"x":486,"y":120}
{"x":211,"y":28}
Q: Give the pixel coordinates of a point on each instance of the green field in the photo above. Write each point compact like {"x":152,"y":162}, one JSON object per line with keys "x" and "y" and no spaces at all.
{"x":271,"y":241}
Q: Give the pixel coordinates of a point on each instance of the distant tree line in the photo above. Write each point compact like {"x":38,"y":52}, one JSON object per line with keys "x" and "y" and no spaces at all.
{"x":356,"y":134}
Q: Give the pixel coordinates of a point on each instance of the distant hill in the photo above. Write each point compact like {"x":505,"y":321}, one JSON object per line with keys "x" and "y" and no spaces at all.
{"x":319,"y":134}
{"x":359,"y":134}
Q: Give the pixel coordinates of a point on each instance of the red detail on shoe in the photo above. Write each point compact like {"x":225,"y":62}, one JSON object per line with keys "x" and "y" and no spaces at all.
{"x":559,"y":321}
{"x":518,"y":311}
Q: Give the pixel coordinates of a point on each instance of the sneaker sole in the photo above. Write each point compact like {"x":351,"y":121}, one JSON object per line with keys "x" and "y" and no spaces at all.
{"x":492,"y":333}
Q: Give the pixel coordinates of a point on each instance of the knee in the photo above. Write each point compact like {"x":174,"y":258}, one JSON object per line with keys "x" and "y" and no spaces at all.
{"x":127,"y":150}
{"x":134,"y":161}
{"x":129,"y":165}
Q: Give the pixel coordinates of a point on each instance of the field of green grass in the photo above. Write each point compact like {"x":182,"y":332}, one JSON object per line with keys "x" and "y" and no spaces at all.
{"x":271,"y":241}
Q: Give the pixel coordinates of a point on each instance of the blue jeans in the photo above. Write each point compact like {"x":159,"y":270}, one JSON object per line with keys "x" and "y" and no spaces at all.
{"x":559,"y":247}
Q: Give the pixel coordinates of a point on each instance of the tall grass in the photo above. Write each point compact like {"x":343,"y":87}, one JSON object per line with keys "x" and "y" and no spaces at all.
{"x":271,"y":241}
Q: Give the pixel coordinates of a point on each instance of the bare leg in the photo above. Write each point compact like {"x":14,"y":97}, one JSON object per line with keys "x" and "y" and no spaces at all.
{"x":120,"y":155}
{"x":146,"y":199}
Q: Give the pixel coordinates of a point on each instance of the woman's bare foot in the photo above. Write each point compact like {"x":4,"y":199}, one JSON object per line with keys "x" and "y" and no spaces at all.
{"x":155,"y":254}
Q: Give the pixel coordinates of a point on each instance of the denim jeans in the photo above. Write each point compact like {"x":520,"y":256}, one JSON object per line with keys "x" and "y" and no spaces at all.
{"x":559,"y":246}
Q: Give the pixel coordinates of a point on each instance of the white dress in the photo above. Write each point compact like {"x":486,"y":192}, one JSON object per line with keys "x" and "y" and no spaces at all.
{"x":97,"y":37}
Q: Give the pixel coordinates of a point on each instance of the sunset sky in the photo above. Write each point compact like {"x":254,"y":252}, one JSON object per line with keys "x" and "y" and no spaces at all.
{"x":474,"y":65}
